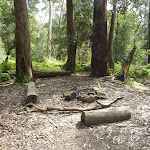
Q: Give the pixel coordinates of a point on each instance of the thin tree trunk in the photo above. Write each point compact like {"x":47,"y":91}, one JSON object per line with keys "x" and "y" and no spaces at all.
{"x":110,"y":41}
{"x":60,"y":19}
{"x":99,"y":48}
{"x":23,"y":50}
{"x":149,"y":36}
{"x":71,"y":50}
{"x":49,"y":30}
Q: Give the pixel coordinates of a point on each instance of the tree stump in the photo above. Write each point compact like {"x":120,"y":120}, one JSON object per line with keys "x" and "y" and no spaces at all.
{"x":31,"y":93}
{"x":107,"y":115}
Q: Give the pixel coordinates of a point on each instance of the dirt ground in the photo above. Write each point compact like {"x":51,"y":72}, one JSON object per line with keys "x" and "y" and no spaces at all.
{"x":22,"y":130}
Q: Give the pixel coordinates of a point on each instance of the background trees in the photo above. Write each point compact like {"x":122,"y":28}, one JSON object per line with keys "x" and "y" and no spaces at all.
{"x":131,"y":15}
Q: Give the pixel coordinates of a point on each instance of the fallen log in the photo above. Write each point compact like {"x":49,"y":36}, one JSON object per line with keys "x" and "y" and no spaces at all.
{"x":45,"y":74}
{"x":31,"y":93}
{"x":108,"y":115}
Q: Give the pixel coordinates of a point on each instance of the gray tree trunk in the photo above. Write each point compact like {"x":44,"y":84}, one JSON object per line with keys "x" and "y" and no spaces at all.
{"x":110,"y":41}
{"x":71,"y":50}
{"x":49,"y":47}
{"x":99,"y":62}
{"x":23,"y":50}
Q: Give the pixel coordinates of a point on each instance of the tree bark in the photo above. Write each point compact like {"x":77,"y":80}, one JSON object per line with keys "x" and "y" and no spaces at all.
{"x":99,"y":48}
{"x":71,"y":50}
{"x":108,"y":115}
{"x":60,"y":19}
{"x":31,"y":93}
{"x":45,"y":74}
{"x":23,"y":51}
{"x":149,"y":36}
{"x":110,"y":41}
{"x":49,"y":30}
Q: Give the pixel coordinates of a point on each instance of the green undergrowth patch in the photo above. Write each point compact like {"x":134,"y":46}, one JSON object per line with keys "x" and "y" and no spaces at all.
{"x":137,"y":73}
{"x":48,"y":65}
{"x":134,"y":84}
{"x":83,"y":67}
{"x":7,"y":70}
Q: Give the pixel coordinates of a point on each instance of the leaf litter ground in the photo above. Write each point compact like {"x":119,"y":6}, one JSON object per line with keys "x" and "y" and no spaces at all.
{"x":22,"y":130}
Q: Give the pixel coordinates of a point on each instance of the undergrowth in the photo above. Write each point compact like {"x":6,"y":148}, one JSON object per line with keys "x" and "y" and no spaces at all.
{"x":48,"y":65}
{"x":8,"y":71}
{"x":136,"y":73}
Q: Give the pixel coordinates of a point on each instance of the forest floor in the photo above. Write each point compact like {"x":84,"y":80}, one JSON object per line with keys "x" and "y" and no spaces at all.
{"x":22,"y":130}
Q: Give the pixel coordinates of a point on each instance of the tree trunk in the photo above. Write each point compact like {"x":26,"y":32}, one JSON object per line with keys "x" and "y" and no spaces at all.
{"x":99,"y":48}
{"x":60,"y":19}
{"x":71,"y":50}
{"x":23,"y":51}
{"x":110,"y":41}
{"x":49,"y":30}
{"x":149,"y":36}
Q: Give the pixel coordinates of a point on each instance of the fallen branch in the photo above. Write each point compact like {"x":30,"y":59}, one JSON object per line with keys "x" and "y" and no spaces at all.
{"x":98,"y":106}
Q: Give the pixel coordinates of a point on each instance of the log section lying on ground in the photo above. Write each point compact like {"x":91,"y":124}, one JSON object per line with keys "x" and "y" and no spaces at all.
{"x":31,"y":93}
{"x":108,"y":115}
{"x":45,"y":74}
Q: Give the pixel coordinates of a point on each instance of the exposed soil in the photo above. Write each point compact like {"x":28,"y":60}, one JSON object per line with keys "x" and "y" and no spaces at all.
{"x":22,"y":130}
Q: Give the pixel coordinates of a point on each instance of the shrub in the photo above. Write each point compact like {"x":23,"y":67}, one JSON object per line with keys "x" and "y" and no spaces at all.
{"x":4,"y":77}
{"x":83,"y":66}
{"x":48,"y":64}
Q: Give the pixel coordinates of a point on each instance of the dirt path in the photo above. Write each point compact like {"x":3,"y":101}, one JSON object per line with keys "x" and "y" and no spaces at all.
{"x":20,"y":130}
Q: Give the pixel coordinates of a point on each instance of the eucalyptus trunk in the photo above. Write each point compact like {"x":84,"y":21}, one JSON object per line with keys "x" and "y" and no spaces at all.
{"x":71,"y":50}
{"x":149,"y":36}
{"x":60,"y":39}
{"x":110,"y":41}
{"x":99,"y":60}
{"x":22,"y":35}
{"x":49,"y":30}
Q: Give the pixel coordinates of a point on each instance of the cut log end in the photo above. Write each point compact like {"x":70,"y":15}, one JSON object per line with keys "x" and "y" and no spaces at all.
{"x":31,"y":93}
{"x":31,"y":98}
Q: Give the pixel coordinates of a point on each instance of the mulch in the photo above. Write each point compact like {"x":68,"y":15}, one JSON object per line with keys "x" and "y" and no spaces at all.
{"x":53,"y":130}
